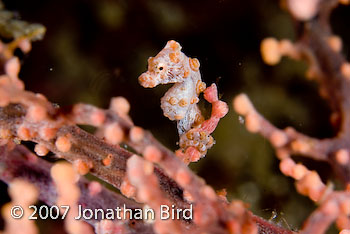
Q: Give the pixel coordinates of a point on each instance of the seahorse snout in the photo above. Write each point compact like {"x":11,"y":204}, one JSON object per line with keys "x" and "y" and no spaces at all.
{"x":147,"y":81}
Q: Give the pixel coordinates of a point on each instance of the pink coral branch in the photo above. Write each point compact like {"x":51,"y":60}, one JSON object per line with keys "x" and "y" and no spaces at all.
{"x":328,"y":67}
{"x":134,"y":136}
{"x":321,"y":50}
{"x":66,"y":142}
{"x":21,"y":163}
{"x":287,"y":141}
{"x":140,"y":174}
{"x":335,"y":208}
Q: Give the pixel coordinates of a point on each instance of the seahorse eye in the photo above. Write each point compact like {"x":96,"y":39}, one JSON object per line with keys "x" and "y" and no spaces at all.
{"x":160,"y":67}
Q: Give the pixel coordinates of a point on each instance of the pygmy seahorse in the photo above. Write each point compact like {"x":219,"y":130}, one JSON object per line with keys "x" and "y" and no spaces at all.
{"x":179,"y":103}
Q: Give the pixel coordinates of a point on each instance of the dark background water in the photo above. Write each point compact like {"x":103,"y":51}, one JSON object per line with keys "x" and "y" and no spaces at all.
{"x":94,"y":50}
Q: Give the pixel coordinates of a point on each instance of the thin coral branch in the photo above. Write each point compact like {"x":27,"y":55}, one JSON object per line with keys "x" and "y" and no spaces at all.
{"x":51,"y":197}
{"x":335,"y":208}
{"x":140,"y":174}
{"x":287,"y":141}
{"x":321,"y":49}
{"x":67,"y":141}
{"x":135,"y":137}
{"x":24,"y":194}
{"x":154,"y":151}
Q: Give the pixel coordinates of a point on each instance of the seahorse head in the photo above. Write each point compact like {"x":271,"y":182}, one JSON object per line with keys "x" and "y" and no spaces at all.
{"x":168,"y":66}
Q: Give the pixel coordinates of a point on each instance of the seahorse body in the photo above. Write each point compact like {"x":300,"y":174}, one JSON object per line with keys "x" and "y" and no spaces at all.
{"x":179,"y":103}
{"x":170,"y":65}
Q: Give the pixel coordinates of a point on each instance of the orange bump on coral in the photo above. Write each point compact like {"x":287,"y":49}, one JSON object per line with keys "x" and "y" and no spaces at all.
{"x":342,"y":222}
{"x":148,"y":168}
{"x":23,"y":133}
{"x":23,"y":191}
{"x":63,"y":172}
{"x":81,"y":167}
{"x":63,"y":144}
{"x":41,"y":96}
{"x":25,"y":45}
{"x":36,"y":113}
{"x":252,"y":123}
{"x":242,"y":104}
{"x":113,"y":133}
{"x":107,"y":160}
{"x":97,"y":117}
{"x":183,"y":177}
{"x":5,"y":133}
{"x":344,"y":2}
{"x":47,"y":133}
{"x":286,"y":47}
{"x":120,"y":105}
{"x":152,"y":153}
{"x":345,"y":206}
{"x":342,"y":157}
{"x":286,"y":166}
{"x":335,"y":43}
{"x":299,"y":171}
{"x":345,"y":70}
{"x":202,"y":214}
{"x":144,"y":194}
{"x":330,"y":208}
{"x":136,"y":134}
{"x":222,"y":194}
{"x":300,"y":146}
{"x":94,"y":188}
{"x":40,"y":150}
{"x":303,"y":9}
{"x":133,"y":166}
{"x":270,"y":51}
{"x":127,"y":189}
{"x":278,"y":138}
{"x":12,"y":67}
{"x":311,"y":185}
{"x":209,"y":192}
{"x":187,"y":196}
